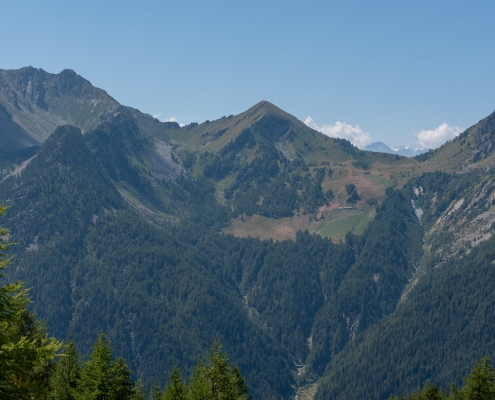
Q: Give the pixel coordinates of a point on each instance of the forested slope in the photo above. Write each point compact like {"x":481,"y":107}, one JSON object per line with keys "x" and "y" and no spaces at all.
{"x":93,"y":266}
{"x":446,"y":325}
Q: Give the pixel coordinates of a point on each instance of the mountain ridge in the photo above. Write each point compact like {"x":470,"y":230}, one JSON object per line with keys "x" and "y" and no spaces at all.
{"x":472,"y":149}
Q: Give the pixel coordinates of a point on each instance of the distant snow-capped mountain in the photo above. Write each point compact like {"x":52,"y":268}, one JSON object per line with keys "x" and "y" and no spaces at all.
{"x":405,"y":151}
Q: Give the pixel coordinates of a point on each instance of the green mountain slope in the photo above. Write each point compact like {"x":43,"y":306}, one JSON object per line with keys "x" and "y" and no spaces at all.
{"x":442,"y":323}
{"x":268,"y":164}
{"x":53,"y":203}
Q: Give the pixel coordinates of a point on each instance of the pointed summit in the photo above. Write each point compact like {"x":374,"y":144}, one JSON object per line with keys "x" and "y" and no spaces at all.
{"x":265,"y":108}
{"x":265,"y":118}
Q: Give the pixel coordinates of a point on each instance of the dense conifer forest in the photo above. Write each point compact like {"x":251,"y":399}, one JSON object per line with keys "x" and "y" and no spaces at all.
{"x":34,"y":365}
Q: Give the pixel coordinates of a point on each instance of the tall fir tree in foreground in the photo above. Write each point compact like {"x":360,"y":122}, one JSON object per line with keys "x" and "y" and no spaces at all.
{"x":102,"y":378}
{"x":480,"y":383}
{"x":176,"y":388}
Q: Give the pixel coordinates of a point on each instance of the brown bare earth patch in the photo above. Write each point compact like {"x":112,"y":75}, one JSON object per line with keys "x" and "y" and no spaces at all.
{"x":261,"y":227}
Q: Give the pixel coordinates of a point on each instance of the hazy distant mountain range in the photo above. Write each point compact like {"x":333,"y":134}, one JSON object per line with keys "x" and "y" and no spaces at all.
{"x":405,"y":151}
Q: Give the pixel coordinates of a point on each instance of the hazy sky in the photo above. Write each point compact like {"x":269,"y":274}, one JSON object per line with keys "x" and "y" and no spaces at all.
{"x":396,"y":71}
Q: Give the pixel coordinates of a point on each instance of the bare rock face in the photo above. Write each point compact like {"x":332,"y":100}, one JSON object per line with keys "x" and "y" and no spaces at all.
{"x":164,"y":164}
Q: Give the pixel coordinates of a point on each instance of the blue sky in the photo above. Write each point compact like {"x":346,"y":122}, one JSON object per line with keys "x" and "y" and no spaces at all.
{"x":365,"y":70}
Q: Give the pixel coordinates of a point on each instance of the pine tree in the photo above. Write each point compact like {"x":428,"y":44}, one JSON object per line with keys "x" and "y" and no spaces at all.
{"x":239,"y":383}
{"x":138,"y":393}
{"x":216,"y":380}
{"x":199,"y":385}
{"x":156,"y":393}
{"x":67,"y":374}
{"x":123,"y":385}
{"x":480,"y":383}
{"x":429,"y":392}
{"x":97,"y":375}
{"x":105,"y":379}
{"x":176,"y":388}
{"x":218,"y":372}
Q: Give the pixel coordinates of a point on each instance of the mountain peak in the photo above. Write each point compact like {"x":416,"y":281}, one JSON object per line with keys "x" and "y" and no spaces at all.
{"x":37,"y":102}
{"x":264,"y":107}
{"x":263,"y":104}
{"x":68,"y":71}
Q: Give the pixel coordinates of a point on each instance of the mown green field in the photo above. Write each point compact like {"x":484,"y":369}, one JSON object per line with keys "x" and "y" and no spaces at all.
{"x":339,"y":222}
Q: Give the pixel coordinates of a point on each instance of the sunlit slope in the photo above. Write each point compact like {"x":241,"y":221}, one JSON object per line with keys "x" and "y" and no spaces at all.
{"x":227,"y":151}
{"x":290,"y":135}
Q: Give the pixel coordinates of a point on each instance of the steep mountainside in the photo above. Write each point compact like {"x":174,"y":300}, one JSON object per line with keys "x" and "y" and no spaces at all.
{"x":95,"y":264}
{"x":442,"y":322}
{"x":445,"y":325}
